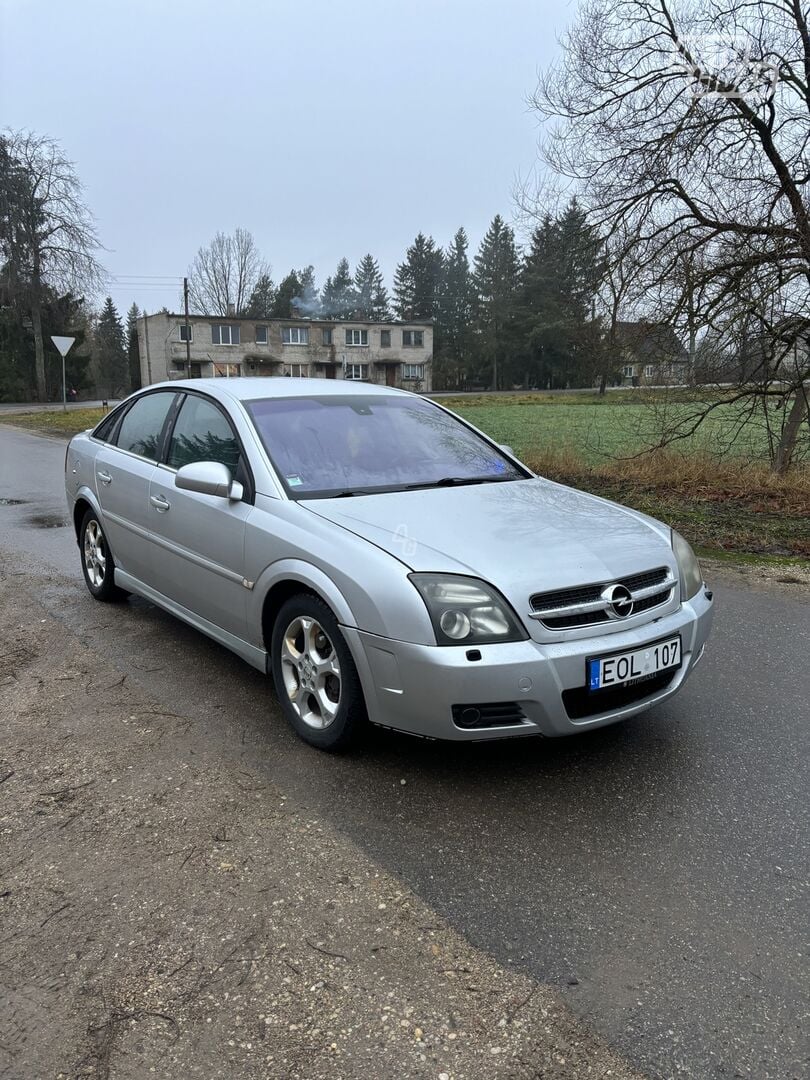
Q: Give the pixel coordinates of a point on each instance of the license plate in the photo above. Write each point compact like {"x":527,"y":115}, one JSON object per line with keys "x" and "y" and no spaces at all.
{"x":634,"y":665}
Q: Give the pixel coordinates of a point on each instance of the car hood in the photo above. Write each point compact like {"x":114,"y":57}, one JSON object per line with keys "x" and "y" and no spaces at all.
{"x":523,"y":536}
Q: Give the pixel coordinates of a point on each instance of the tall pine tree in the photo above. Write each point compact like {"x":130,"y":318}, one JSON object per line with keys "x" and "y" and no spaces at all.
{"x":372,"y":295}
{"x":496,"y":278}
{"x":561,"y":273}
{"x":338,"y":298}
{"x":454,"y":335}
{"x":288,"y":290}
{"x":416,"y":280}
{"x":110,"y":352}
{"x":133,"y":352}
{"x":260,"y":302}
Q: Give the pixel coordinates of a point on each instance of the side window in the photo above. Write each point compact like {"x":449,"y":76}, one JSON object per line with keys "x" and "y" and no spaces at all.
{"x":142,"y":426}
{"x":104,"y":429}
{"x":202,"y":433}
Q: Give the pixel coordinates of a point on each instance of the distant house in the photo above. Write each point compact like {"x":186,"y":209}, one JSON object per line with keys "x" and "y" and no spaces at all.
{"x":393,"y":354}
{"x":653,"y":354}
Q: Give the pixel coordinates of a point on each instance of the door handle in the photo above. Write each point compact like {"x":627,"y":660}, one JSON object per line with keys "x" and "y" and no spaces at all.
{"x":159,"y":503}
{"x":104,"y":477}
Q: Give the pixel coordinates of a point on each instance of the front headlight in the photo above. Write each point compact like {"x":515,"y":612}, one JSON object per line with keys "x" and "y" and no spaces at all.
{"x":466,"y":611}
{"x":688,"y":566}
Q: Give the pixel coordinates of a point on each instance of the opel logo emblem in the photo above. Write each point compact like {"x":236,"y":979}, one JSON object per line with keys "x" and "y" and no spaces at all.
{"x":619,"y":601}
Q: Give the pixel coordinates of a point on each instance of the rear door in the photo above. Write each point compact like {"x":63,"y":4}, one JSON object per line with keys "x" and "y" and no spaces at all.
{"x":201,"y":538}
{"x":123,"y":472}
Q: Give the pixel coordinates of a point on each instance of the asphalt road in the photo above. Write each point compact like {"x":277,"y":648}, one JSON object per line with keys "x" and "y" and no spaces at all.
{"x":9,"y":408}
{"x":656,"y":871}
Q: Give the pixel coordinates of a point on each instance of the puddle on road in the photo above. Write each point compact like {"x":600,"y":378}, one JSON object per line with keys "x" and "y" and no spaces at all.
{"x":47,"y":521}
{"x":12,"y":502}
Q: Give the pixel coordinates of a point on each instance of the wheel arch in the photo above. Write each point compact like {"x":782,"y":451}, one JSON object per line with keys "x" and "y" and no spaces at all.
{"x":292,"y":576}
{"x":83,"y":502}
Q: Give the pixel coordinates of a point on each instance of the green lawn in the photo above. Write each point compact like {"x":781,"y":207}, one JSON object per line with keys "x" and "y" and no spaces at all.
{"x":596,"y":430}
{"x":56,"y":422}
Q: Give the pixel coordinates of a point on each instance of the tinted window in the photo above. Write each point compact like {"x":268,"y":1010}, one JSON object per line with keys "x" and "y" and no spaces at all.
{"x":201,"y":433}
{"x":105,"y":427}
{"x":326,"y":445}
{"x":141,"y":427}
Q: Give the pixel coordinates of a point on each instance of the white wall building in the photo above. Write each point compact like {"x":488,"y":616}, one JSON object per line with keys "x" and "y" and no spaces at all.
{"x":393,"y":354}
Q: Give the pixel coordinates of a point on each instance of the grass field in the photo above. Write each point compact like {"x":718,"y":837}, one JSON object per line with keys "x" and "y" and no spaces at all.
{"x":56,"y":422}
{"x":722,"y":497}
{"x":598,"y":429}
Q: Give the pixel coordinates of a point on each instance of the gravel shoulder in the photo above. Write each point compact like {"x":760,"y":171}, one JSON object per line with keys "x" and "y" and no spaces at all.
{"x":168,"y":913}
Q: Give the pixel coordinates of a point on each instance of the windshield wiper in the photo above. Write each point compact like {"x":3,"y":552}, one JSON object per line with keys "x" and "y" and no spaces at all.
{"x":445,"y":481}
{"x":456,"y":481}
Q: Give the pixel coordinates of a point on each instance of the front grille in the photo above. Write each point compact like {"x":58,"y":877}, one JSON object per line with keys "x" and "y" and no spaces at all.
{"x":488,"y":714}
{"x":567,"y":609}
{"x":579,"y":703}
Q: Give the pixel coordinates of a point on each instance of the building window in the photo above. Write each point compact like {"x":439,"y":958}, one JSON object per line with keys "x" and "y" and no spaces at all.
{"x":413,"y":339}
{"x":357,"y":337}
{"x":186,"y":332}
{"x":326,"y":336}
{"x":295,"y":335}
{"x":261,"y":335}
{"x":227,"y":371}
{"x":297,"y":371}
{"x":649,"y":371}
{"x":629,"y":371}
{"x":412,"y":371}
{"x":385,"y":339}
{"x":225,"y":335}
{"x":356,"y":371}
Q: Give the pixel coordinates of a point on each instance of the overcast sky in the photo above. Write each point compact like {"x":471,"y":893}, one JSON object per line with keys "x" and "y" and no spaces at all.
{"x":325,"y":128}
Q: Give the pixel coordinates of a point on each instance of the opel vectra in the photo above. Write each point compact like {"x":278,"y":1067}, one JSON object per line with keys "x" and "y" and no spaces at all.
{"x":384,"y":560}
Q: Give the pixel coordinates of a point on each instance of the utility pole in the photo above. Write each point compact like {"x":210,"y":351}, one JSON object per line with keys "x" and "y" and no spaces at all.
{"x":188,"y":329}
{"x":146,"y":344}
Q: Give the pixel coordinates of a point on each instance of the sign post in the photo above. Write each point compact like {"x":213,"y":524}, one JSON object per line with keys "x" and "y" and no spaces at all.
{"x":63,"y":345}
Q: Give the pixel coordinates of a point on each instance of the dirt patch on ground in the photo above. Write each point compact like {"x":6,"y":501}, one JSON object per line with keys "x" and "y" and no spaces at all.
{"x":167,"y":913}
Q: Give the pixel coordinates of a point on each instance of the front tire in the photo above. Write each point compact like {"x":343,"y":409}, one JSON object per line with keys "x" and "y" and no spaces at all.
{"x":316,"y":679}
{"x":98,"y":566}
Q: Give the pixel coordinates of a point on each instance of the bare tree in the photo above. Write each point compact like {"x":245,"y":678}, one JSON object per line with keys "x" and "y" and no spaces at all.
{"x":688,"y":128}
{"x":223,"y":275}
{"x":47,"y":233}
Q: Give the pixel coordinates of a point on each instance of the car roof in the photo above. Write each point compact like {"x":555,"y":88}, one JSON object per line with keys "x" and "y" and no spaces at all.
{"x":245,"y":388}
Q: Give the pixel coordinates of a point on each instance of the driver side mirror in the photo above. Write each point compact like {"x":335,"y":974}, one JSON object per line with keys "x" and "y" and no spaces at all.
{"x":209,"y":478}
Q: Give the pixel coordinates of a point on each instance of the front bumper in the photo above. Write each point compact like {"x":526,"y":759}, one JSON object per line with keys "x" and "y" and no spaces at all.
{"x":413,"y":688}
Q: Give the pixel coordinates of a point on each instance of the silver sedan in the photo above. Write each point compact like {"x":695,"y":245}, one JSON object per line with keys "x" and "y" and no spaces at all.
{"x":384,"y":560}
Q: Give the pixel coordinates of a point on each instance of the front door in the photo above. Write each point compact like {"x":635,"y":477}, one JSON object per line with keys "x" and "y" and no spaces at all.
{"x":390,"y":374}
{"x":330,"y":371}
{"x":201,"y":537}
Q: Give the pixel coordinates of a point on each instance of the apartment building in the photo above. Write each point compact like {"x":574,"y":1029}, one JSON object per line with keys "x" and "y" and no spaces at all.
{"x":392,"y":354}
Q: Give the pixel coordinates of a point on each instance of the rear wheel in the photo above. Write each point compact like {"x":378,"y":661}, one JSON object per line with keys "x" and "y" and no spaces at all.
{"x":316,"y":680}
{"x":97,"y":561}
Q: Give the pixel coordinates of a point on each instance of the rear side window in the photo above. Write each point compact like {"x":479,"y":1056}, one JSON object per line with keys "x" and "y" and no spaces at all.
{"x":142,"y":426}
{"x":202,"y":433}
{"x":104,"y":429}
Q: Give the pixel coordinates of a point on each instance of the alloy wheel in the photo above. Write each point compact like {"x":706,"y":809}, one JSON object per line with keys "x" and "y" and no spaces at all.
{"x":95,"y":554}
{"x":311,"y":672}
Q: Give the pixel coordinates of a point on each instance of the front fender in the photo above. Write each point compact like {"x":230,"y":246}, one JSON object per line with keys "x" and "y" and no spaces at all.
{"x":310,"y":576}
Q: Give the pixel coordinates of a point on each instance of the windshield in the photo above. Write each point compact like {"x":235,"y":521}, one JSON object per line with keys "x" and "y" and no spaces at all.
{"x":332,"y":446}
